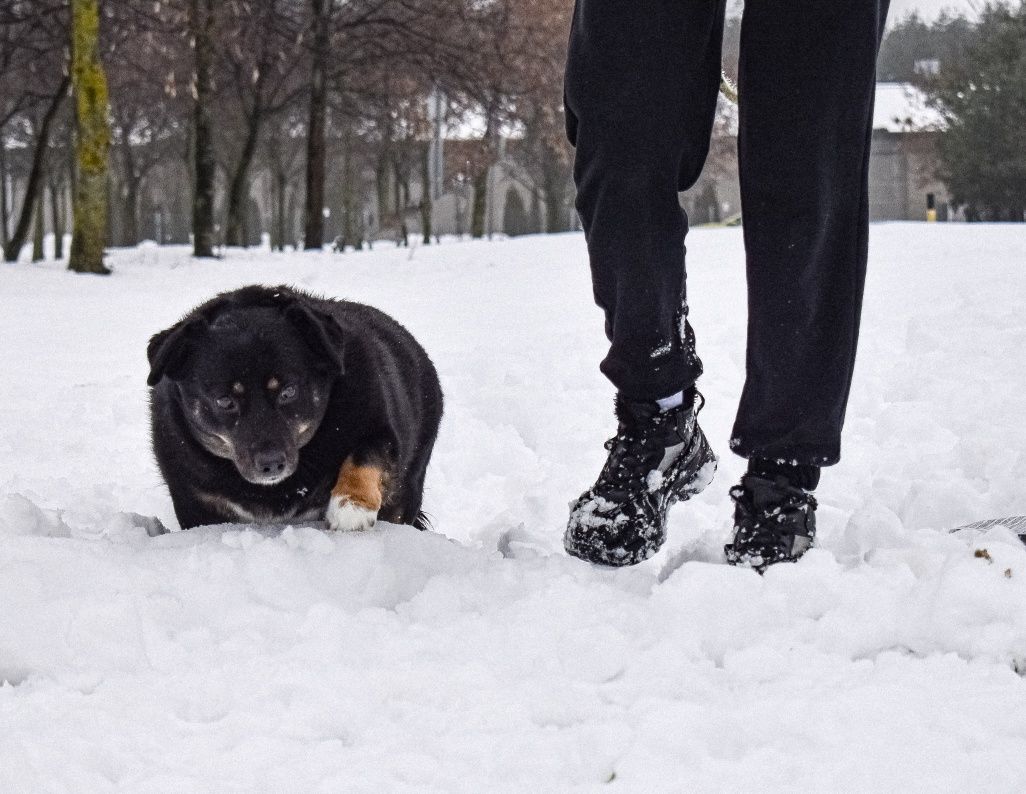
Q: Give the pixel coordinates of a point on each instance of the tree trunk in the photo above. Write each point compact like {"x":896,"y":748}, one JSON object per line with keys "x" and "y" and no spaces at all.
{"x":426,"y":201}
{"x":480,"y":201}
{"x":555,"y":194}
{"x":5,"y":213}
{"x":396,"y":191}
{"x":57,"y":216}
{"x":108,"y":228}
{"x":37,"y":229}
{"x":203,"y":134}
{"x":383,"y":185}
{"x":130,"y":212}
{"x":35,"y":180}
{"x":348,"y":195}
{"x":129,"y":196}
{"x":238,"y":195}
{"x":402,"y":190}
{"x":313,"y":236}
{"x":91,"y":109}
{"x":278,"y":191}
{"x":382,"y":172}
{"x":290,"y":218}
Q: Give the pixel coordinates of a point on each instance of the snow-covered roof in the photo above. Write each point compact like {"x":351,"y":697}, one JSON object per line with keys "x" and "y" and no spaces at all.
{"x":901,"y":107}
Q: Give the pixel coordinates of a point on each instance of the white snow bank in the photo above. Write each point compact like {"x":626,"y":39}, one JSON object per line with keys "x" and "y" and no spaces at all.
{"x":230,"y":658}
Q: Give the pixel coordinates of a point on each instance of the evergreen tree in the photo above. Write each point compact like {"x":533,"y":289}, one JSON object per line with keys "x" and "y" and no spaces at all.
{"x":983,"y":99}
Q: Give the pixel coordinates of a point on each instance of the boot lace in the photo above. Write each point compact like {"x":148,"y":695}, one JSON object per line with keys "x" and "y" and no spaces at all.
{"x":627,"y":465}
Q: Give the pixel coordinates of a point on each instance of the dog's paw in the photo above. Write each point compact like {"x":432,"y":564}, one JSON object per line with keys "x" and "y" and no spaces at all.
{"x":345,"y":515}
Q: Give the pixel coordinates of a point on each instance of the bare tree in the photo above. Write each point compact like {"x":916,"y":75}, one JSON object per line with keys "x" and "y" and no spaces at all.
{"x":262,"y":65}
{"x":33,"y":86}
{"x":36,"y":175}
{"x":148,"y":78}
{"x":284,"y":150}
{"x":502,"y":41}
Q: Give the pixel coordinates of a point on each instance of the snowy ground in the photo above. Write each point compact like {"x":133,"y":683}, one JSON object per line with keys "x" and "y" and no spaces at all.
{"x":481,"y":658}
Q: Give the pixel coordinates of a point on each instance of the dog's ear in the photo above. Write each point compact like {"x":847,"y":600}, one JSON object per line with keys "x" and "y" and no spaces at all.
{"x":169,"y":349}
{"x":321,"y":332}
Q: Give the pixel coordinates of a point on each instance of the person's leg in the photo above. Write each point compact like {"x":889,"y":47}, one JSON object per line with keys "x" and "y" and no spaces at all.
{"x":807,"y":81}
{"x":641,"y":86}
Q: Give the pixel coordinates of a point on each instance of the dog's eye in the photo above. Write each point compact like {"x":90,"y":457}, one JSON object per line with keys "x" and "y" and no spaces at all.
{"x":288,"y":394}
{"x":225,"y":403}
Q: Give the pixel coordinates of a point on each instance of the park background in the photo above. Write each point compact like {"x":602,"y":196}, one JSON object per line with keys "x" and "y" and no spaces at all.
{"x":302,"y":123}
{"x":479,"y":656}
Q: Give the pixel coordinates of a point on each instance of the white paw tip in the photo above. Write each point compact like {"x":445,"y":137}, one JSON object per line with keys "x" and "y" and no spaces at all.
{"x":344,"y":515}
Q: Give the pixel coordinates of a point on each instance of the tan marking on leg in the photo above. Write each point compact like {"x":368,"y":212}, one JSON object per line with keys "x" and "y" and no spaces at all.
{"x":360,"y":485}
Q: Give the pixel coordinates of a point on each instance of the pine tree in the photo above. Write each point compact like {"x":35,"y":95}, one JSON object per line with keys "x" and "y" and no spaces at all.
{"x":983,"y":99}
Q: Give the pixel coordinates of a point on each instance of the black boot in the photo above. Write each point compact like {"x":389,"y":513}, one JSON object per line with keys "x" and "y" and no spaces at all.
{"x":655,"y":459}
{"x":773,"y":522}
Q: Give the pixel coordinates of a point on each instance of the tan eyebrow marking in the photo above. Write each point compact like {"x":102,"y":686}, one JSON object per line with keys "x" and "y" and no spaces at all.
{"x":238,"y":388}
{"x":273,"y":384}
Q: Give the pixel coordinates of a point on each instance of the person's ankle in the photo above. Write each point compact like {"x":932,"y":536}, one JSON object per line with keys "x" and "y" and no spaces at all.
{"x":684,"y":398}
{"x":798,"y":475}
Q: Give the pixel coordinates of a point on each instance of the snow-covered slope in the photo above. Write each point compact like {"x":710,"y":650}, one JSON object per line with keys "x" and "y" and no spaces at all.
{"x":481,"y":658}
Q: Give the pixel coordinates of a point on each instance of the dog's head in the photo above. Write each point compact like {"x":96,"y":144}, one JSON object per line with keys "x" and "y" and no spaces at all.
{"x":253,"y":379}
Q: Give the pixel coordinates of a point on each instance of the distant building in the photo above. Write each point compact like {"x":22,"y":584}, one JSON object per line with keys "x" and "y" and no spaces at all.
{"x":902,"y":168}
{"x":903,"y":165}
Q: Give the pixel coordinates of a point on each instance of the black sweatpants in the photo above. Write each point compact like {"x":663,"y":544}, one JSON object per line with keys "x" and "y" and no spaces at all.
{"x":641,"y":86}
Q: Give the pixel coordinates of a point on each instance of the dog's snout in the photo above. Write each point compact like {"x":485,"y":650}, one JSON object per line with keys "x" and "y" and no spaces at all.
{"x":270,"y":463}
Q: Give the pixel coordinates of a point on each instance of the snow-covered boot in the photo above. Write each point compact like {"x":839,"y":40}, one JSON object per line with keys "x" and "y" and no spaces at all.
{"x":655,"y":459}
{"x":773,"y":522}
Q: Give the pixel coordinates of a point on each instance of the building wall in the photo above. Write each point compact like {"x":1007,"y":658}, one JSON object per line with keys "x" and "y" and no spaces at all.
{"x":901,"y":174}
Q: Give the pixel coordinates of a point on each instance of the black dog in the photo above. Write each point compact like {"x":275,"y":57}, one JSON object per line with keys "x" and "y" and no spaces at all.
{"x":272,"y":405}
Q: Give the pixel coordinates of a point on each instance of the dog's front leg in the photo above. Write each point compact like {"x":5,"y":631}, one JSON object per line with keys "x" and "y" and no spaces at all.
{"x":357,"y":495}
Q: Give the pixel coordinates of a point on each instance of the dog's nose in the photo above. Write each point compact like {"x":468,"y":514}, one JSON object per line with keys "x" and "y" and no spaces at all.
{"x":270,"y":463}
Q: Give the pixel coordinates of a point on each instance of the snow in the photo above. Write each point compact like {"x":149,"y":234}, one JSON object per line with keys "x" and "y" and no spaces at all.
{"x":901,"y":107}
{"x":480,"y":657}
